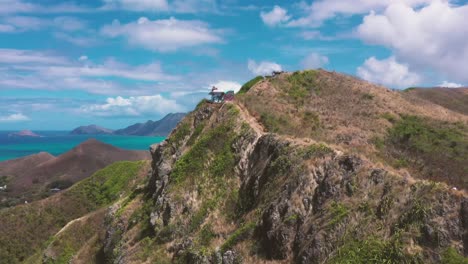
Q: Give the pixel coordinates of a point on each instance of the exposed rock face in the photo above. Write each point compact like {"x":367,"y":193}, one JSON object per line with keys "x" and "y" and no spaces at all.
{"x":295,"y":201}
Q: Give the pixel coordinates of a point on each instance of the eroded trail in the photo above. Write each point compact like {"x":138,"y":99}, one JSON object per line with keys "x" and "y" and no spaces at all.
{"x":257,"y":127}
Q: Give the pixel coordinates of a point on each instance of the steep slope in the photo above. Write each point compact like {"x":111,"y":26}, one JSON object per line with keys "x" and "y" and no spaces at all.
{"x":91,"y":130}
{"x":225,"y":190}
{"x":153,"y":128}
{"x":455,"y":99}
{"x":62,"y":224}
{"x":31,"y":177}
{"x":299,"y":169}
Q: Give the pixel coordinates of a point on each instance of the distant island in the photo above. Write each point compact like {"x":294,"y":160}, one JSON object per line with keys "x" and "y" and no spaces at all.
{"x":24,"y":133}
{"x":159,"y":128}
{"x":91,"y":130}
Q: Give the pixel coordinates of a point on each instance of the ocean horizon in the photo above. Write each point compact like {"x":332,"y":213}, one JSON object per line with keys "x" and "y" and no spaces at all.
{"x":59,"y":142}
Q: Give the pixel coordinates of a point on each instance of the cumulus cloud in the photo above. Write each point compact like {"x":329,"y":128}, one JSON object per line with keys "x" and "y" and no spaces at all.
{"x":321,"y":10}
{"x":226,"y":86}
{"x":263,"y":68}
{"x":314,"y":60}
{"x":83,"y":58}
{"x":163,"y":35}
{"x":388,"y":72}
{"x":447,"y":84}
{"x":433,"y":36}
{"x":133,"y":106}
{"x":275,"y":17}
{"x":18,"y":117}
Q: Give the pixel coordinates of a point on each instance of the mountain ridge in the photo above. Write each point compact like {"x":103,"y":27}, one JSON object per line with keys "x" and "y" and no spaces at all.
{"x":304,"y":167}
{"x":161,"y":128}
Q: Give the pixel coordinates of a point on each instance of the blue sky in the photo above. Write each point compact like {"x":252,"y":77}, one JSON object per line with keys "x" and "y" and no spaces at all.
{"x":116,"y":62}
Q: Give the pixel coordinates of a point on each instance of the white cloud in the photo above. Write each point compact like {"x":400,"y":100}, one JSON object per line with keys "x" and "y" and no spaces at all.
{"x":263,"y":68}
{"x":12,"y":56}
{"x":78,"y":40}
{"x":314,"y":60}
{"x":18,"y":117}
{"x":163,"y":35}
{"x":6,"y":28}
{"x":133,"y":106}
{"x":20,"y":6}
{"x":137,"y":5}
{"x":31,"y":23}
{"x":321,"y":10}
{"x":83,"y":58}
{"x":431,"y":37}
{"x":388,"y":72}
{"x":446,"y":84}
{"x":70,"y":23}
{"x":275,"y":17}
{"x":40,"y":70}
{"x":226,"y":86}
{"x":174,"y":6}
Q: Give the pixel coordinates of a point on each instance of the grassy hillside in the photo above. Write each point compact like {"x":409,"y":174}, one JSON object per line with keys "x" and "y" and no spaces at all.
{"x":455,"y":99}
{"x":224,"y":189}
{"x":26,"y":229}
{"x":387,"y":126}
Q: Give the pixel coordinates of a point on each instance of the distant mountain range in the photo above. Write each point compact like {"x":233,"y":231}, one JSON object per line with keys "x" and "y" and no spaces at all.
{"x":151,"y":128}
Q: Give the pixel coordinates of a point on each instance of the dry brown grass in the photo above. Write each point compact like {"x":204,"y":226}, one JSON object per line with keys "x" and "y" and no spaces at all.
{"x":352,"y":113}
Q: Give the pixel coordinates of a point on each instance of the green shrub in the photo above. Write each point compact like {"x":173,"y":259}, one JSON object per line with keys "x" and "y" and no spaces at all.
{"x":373,"y":250}
{"x":338,"y":212}
{"x":302,"y":83}
{"x":206,"y":235}
{"x":218,"y":140}
{"x":239,"y":235}
{"x":181,"y":132}
{"x":246,"y":87}
{"x":367,"y":96}
{"x":451,"y":256}
{"x":316,"y":150}
{"x":105,"y":185}
{"x":390,"y":117}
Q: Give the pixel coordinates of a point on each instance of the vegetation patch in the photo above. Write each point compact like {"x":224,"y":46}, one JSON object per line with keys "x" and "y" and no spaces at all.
{"x":316,"y":150}
{"x":302,"y":83}
{"x":373,"y":250}
{"x":451,"y":256}
{"x":106,"y":185}
{"x":182,"y":131}
{"x":246,"y":87}
{"x":338,"y":213}
{"x":239,"y":235}
{"x":427,"y":146}
{"x":26,"y":228}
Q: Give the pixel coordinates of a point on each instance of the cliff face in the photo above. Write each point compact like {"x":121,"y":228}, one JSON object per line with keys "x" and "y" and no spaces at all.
{"x":224,"y":190}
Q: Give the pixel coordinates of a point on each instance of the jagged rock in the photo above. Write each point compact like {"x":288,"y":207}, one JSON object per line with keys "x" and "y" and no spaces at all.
{"x":230,"y":257}
{"x":464,"y":221}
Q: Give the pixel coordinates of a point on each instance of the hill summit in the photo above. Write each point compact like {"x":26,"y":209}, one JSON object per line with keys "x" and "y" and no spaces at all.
{"x":303,"y":167}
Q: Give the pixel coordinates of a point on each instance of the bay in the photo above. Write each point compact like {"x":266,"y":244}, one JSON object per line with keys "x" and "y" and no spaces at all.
{"x":59,"y":142}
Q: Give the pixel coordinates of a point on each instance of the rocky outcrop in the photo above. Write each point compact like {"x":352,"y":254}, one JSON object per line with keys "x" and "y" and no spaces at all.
{"x":286,"y":199}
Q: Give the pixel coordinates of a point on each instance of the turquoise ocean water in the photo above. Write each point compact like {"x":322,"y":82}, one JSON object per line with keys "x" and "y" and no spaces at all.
{"x":58,"y":142}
